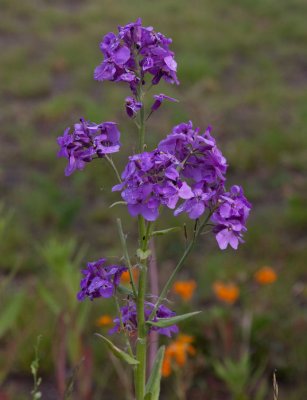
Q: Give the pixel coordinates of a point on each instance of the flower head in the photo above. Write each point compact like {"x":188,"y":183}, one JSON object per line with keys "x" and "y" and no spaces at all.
{"x":150,"y":180}
{"x":159,"y":98}
{"x":265,"y":276}
{"x":87,"y":141}
{"x":226,"y":292}
{"x":135,"y":52}
{"x":99,"y":280}
{"x":187,"y":165}
{"x":184,"y":289}
{"x":230,"y":218}
{"x":104,"y":320}
{"x":125,"y":278}
{"x":132,"y":106}
{"x":129,"y":318}
{"x":177,"y":352}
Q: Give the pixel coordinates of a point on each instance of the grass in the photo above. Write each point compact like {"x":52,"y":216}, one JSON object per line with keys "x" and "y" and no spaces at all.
{"x":242,"y":67}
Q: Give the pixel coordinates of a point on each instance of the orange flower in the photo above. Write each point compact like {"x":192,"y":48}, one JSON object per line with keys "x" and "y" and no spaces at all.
{"x":265,"y":276}
{"x":125,"y":278}
{"x":184,"y":289}
{"x":177,"y":353}
{"x":226,"y":292}
{"x":104,"y":320}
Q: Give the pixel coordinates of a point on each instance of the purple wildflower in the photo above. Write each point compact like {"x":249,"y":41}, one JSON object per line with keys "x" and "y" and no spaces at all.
{"x":129,"y":319}
{"x":88,"y":141}
{"x":134,"y":52}
{"x":132,"y":106}
{"x":100,"y":280}
{"x":230,"y":218}
{"x":151,"y":179}
{"x":159,"y":98}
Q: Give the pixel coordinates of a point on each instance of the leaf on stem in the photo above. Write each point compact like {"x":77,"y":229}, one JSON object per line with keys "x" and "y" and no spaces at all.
{"x":166,"y":231}
{"x":165,"y":322}
{"x":118,"y":352}
{"x":153,"y":383}
{"x":117,"y":203}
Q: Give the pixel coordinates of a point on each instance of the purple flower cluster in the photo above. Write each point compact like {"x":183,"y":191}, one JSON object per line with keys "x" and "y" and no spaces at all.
{"x":129,"y":319}
{"x":186,"y":165}
{"x":100,"y":280}
{"x":134,"y":52}
{"x":88,"y":141}
{"x":230,"y":218}
{"x":151,"y":180}
{"x":201,"y":163}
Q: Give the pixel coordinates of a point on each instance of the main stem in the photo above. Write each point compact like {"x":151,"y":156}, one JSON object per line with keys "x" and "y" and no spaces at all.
{"x":141,"y":345}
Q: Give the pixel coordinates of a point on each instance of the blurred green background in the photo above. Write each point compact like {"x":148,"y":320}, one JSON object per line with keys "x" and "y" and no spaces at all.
{"x":243,"y":69}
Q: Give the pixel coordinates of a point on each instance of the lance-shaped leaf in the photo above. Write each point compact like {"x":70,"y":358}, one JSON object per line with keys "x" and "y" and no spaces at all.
{"x":118,"y":352}
{"x":165,"y":322}
{"x":117,"y":203}
{"x":166,"y":231}
{"x":153,"y":383}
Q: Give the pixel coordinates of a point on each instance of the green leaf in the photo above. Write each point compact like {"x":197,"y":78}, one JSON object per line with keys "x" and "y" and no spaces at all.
{"x":49,"y":299}
{"x":124,"y":290}
{"x":164,"y":322}
{"x":10,"y":312}
{"x":118,"y":352}
{"x":166,"y":231}
{"x":117,"y":203}
{"x":143,"y":255}
{"x":153,"y":383}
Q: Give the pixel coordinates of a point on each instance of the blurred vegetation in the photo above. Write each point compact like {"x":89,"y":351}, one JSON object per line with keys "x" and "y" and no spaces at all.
{"x":243,"y":68}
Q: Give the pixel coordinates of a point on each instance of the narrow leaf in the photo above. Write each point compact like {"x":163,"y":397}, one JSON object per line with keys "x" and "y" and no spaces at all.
{"x":153,"y":383}
{"x":166,"y":231}
{"x":10,"y":312}
{"x":117,"y":203}
{"x":49,"y":299}
{"x":118,"y":352}
{"x":164,"y":322}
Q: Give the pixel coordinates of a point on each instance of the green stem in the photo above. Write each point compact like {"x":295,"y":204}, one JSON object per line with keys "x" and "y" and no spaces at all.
{"x":126,"y":255}
{"x":122,"y":327}
{"x":167,"y":286}
{"x":141,"y":346}
{"x":110,"y":161}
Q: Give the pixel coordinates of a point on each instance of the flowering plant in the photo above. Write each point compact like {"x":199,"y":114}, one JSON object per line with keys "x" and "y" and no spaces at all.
{"x":186,"y":172}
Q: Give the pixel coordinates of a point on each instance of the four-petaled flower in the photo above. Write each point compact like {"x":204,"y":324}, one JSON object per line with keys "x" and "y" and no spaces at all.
{"x":129,"y":319}
{"x":176,"y":353}
{"x":88,"y":141}
{"x":135,"y":52}
{"x":226,"y":292}
{"x":100,"y":280}
{"x":265,"y":276}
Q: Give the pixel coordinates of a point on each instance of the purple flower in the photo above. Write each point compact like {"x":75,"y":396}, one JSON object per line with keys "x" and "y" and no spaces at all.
{"x":132,"y":106}
{"x":159,"y":98}
{"x":135,"y":52}
{"x":151,"y":180}
{"x":99,"y":280}
{"x":129,"y":319}
{"x":87,"y":141}
{"x":201,"y":162}
{"x":230,"y":218}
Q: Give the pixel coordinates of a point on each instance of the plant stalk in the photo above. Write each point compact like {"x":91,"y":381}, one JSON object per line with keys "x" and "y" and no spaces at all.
{"x":141,"y":345}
